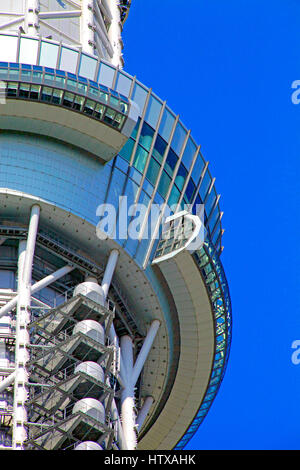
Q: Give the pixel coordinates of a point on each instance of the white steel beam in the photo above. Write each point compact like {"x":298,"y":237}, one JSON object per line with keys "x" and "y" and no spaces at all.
{"x":26,"y":255}
{"x":140,"y":361}
{"x":127,"y":395}
{"x":109,"y":271}
{"x":46,"y":281}
{"x":46,"y":15}
{"x":143,"y":412}
{"x":7,"y":381}
{"x":32,"y":17}
{"x":87,"y":27}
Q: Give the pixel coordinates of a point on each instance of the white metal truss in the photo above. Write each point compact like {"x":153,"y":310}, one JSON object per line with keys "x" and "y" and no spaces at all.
{"x":122,"y":423}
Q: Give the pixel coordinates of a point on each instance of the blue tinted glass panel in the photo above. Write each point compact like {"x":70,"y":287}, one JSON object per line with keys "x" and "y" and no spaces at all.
{"x":106,"y":75}
{"x":153,"y":171}
{"x":181,"y":176}
{"x":171,"y":161}
{"x":148,"y":188}
{"x":210,"y":202}
{"x":198,"y":168}
{"x":68,"y":60}
{"x":87,"y":67}
{"x":205,"y":185}
{"x":126,"y":151}
{"x":178,"y":138}
{"x":153,"y":110}
{"x":174,"y":196}
{"x":121,"y":164}
{"x":164,"y":184}
{"x":190,"y":191}
{"x":123,"y":84}
{"x":135,"y":175}
{"x":48,"y":55}
{"x":217,"y":233}
{"x":189,"y":152}
{"x":146,"y":136}
{"x":139,"y":95}
{"x":136,"y":128}
{"x":197,"y":203}
{"x":214,"y":218}
{"x":140,"y":159}
{"x":159,"y":149}
{"x":166,"y":124}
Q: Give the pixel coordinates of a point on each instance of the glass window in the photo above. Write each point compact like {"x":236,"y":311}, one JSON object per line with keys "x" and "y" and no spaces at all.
{"x":171,"y":161}
{"x":166,"y":125}
{"x":87,"y":67}
{"x":109,"y":116}
{"x":198,"y":168}
{"x":8,"y":48}
{"x":99,"y":111}
{"x":140,"y":159}
{"x":12,"y":89}
{"x":197,"y":203}
{"x":181,"y":176}
{"x":57,"y":96}
{"x":174,"y":197}
{"x":190,"y":190}
{"x":153,"y":171}
{"x":48,"y":54}
{"x":35,"y":92}
{"x":210,"y":201}
{"x":139,"y":96}
{"x":119,"y":119}
{"x":217,"y":233}
{"x":153,"y":110}
{"x":46,"y":94}
{"x":126,"y":151}
{"x":28,"y":51}
{"x":159,"y":149}
{"x":7,"y":279}
{"x":123,"y":84}
{"x":146,"y":136}
{"x":68,"y":99}
{"x":214,"y":219}
{"x":68,"y":60}
{"x":164,"y":184}
{"x":24,"y":90}
{"x":136,"y":128}
{"x":178,"y":138}
{"x":106,"y":75}
{"x":205,"y":185}
{"x":189,"y":152}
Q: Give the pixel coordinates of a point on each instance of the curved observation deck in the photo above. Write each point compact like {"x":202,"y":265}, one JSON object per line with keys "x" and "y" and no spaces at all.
{"x":159,"y":164}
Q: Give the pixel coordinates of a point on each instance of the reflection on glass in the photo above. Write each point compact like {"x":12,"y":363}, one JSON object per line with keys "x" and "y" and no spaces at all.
{"x":178,"y":138}
{"x":159,"y":149}
{"x":139,"y":95}
{"x":146,"y":136}
{"x":126,"y":151}
{"x":140,"y":159}
{"x":153,"y":170}
{"x":153,"y":110}
{"x":166,"y":124}
{"x":171,"y":161}
{"x":189,"y":152}
{"x":48,"y":54}
{"x":164,"y":184}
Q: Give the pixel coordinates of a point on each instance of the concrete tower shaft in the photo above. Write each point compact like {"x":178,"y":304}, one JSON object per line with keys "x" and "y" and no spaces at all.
{"x":94,"y":26}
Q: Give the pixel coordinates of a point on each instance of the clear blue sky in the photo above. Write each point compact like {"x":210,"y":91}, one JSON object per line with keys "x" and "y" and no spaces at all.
{"x":227,"y":68}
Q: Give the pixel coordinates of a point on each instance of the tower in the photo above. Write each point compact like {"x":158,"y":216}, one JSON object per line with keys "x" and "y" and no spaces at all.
{"x":115,"y":309}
